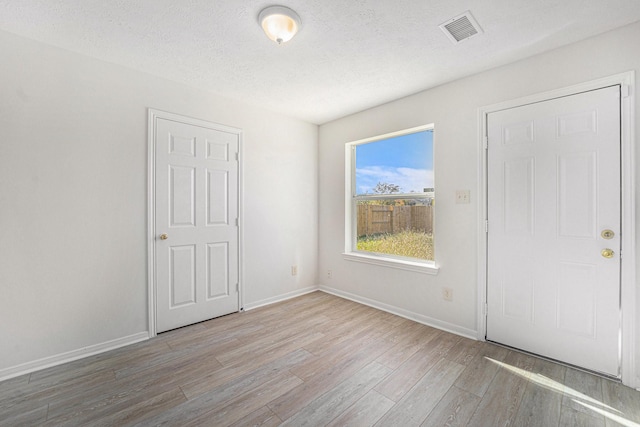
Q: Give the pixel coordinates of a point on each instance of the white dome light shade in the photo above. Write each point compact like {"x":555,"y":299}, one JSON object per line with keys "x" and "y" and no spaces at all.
{"x":279,"y":23}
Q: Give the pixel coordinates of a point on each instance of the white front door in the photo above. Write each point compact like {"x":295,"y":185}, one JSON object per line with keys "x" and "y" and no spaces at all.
{"x":553,"y":272}
{"x":196,"y":231}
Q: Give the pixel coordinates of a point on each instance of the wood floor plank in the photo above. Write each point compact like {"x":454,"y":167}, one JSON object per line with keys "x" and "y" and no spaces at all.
{"x":193,"y":386}
{"x":399,"y":354}
{"x":418,"y":402}
{"x":291,"y":322}
{"x":340,"y":321}
{"x":414,"y":340}
{"x":332,"y":374}
{"x":353,"y":349}
{"x":410,"y":372}
{"x":343,"y":310}
{"x":261,"y":417}
{"x":539,"y":407}
{"x":480,"y":372}
{"x":391,"y":318}
{"x":312,"y":300}
{"x":296,"y":310}
{"x":262,"y":380}
{"x":258,"y":314}
{"x":147,"y":362}
{"x":317,"y":359}
{"x":338,"y":333}
{"x":363,"y":328}
{"x":121,"y":403}
{"x":37,"y":395}
{"x":502,"y":399}
{"x":211,"y":337}
{"x":9,"y":386}
{"x":464,"y":351}
{"x":569,"y":417}
{"x":241,"y":406}
{"x":269,"y":341}
{"x":179,"y":331}
{"x":455,"y":409}
{"x":173,"y":373}
{"x":624,"y":401}
{"x":550,"y":370}
{"x":243,"y":379}
{"x":581,"y":387}
{"x":385,"y":330}
{"x":340,"y":398}
{"x":109,"y":361}
{"x":542,"y":400}
{"x":365,"y":412}
{"x":132,"y":413}
{"x":159,"y":378}
{"x":29,"y":416}
{"x":270,"y":351}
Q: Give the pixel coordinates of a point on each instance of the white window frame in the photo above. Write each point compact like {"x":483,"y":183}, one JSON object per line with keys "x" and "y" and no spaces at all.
{"x":386,"y":260}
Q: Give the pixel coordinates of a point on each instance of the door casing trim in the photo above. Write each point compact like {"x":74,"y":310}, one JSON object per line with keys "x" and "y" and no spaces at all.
{"x":628,"y":263}
{"x":153,"y":115}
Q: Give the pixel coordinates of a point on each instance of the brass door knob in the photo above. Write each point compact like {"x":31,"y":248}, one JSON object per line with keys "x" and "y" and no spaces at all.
{"x":607,"y":253}
{"x":164,"y":236}
{"x":607,"y":234}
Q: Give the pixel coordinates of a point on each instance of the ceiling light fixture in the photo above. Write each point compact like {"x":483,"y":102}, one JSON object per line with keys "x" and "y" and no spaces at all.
{"x":279,"y":23}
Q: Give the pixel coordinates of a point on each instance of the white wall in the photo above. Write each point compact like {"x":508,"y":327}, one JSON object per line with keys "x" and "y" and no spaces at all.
{"x":73,"y":197}
{"x":454,"y":110}
{"x":73,"y":171}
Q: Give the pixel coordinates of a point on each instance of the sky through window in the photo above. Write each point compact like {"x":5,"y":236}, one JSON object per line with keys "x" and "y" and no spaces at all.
{"x":406,"y":161}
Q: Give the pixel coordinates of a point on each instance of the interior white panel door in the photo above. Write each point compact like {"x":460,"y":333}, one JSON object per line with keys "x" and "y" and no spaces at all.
{"x":553,"y":191}
{"x":196,"y":241}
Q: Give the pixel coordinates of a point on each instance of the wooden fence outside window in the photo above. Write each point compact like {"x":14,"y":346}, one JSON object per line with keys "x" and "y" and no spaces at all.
{"x":378,"y":219}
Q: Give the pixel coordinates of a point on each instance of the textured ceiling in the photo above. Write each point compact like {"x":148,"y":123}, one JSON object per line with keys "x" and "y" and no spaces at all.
{"x":349,"y":56}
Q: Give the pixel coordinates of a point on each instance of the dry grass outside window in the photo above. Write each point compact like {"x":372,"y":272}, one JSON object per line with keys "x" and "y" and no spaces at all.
{"x":408,"y":243}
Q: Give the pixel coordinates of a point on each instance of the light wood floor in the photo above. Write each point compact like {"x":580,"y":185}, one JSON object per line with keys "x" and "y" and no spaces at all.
{"x":315,"y":360}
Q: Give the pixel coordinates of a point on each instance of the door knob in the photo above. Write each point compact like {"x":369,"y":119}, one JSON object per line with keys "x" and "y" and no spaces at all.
{"x":164,"y":236}
{"x":607,"y":234}
{"x":607,"y":253}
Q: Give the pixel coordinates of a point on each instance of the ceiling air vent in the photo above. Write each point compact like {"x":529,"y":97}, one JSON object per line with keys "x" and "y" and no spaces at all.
{"x":460,"y":28}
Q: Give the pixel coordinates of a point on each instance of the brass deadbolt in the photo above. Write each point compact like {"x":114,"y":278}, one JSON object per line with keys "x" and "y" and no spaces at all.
{"x":607,"y":234}
{"x":607,"y":253}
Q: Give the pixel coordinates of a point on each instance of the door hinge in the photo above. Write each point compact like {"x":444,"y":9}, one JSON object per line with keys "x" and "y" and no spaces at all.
{"x":625,"y":91}
{"x":485,"y":142}
{"x":486,"y":308}
{"x":237,"y":222}
{"x":237,"y":287}
{"x":237,"y":156}
{"x":486,"y":225}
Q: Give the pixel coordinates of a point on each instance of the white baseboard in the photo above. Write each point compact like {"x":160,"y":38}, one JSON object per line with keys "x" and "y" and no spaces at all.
{"x":283,"y":297}
{"x":59,"y":359}
{"x":425,"y":320}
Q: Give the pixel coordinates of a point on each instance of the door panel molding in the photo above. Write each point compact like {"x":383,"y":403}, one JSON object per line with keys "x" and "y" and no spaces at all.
{"x":628,"y":301}
{"x":185,"y":147}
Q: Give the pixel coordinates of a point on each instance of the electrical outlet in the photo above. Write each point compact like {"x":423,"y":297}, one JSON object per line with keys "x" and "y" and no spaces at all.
{"x":463,"y":196}
{"x":329,"y":274}
{"x":294,"y":270}
{"x":447,"y":294}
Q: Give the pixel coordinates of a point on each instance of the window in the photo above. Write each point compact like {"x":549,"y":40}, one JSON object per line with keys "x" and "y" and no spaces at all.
{"x":390,"y":199}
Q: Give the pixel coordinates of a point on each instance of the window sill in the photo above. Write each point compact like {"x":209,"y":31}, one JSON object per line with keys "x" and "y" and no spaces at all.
{"x":401,"y":264}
